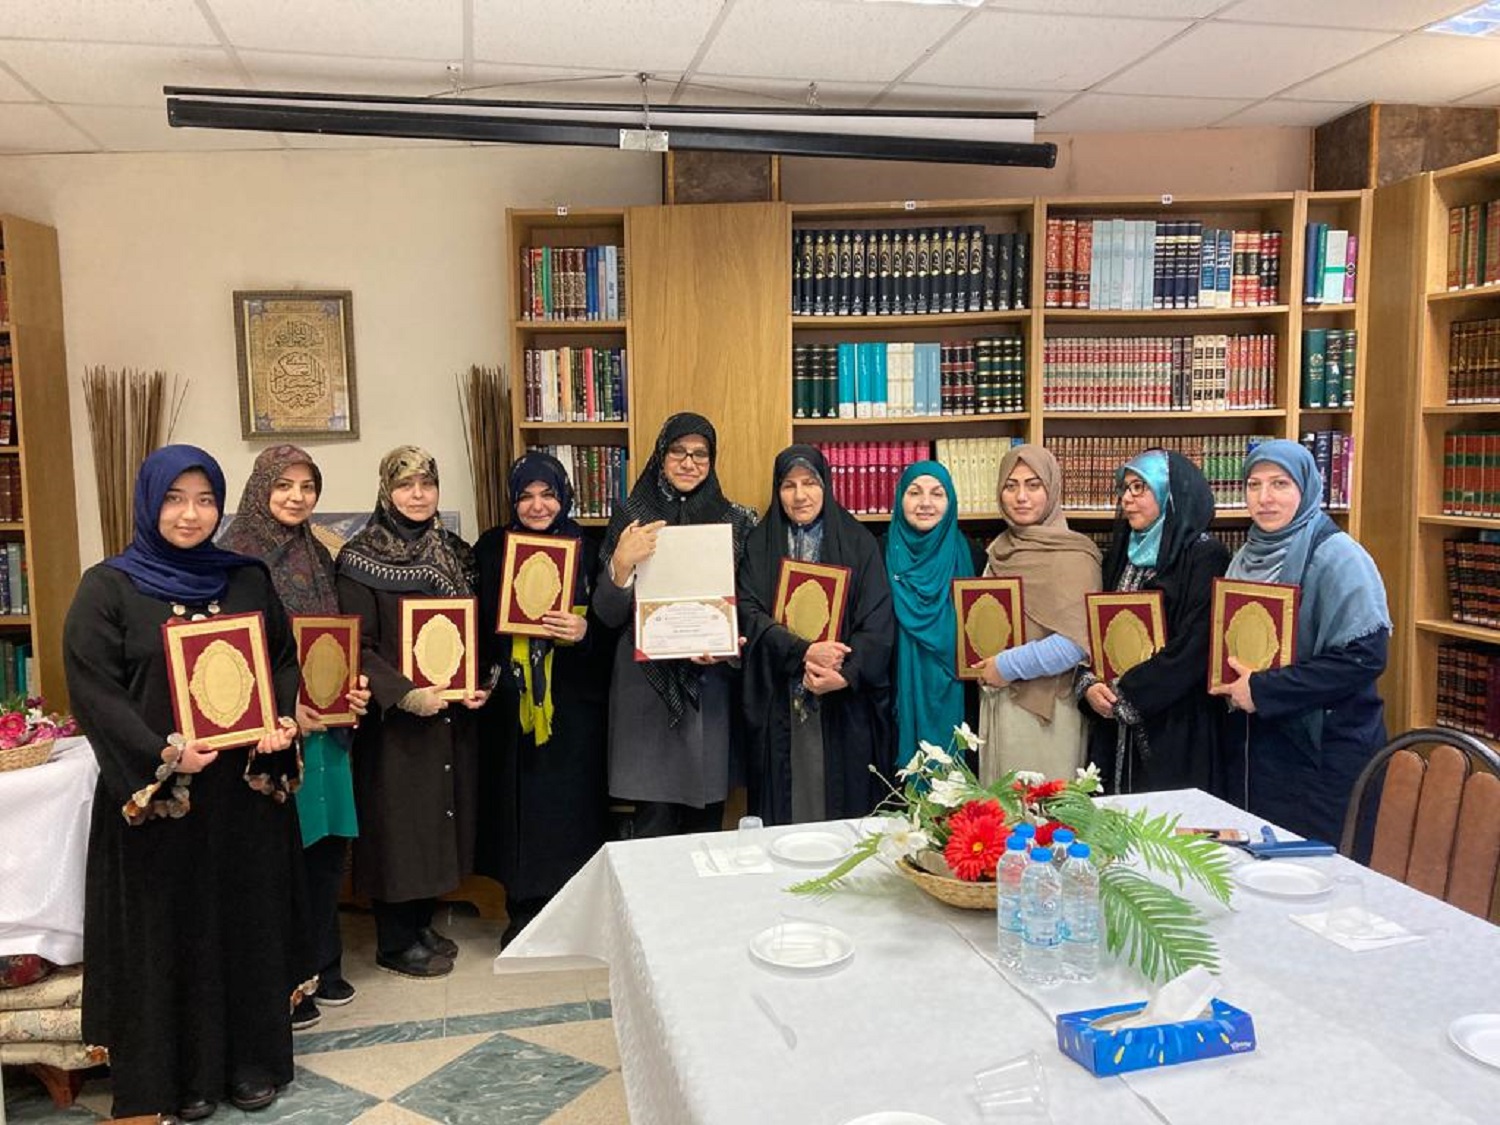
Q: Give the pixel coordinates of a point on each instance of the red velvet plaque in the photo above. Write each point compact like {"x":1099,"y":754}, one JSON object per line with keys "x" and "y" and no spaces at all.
{"x":1254,"y":622}
{"x":990,"y":617}
{"x":538,"y":577}
{"x":810,"y":599}
{"x":220,"y":678}
{"x":1125,"y":629}
{"x":328,"y":654}
{"x":438,"y":644}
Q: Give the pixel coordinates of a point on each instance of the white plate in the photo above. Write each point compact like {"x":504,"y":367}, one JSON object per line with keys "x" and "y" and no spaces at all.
{"x":802,"y":945}
{"x":1281,"y":879}
{"x":1478,"y":1037}
{"x":811,"y":849}
{"x":894,"y":1117}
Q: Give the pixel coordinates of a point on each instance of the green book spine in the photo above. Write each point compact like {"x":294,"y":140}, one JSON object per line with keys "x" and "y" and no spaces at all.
{"x":1351,"y":353}
{"x":1314,"y":359}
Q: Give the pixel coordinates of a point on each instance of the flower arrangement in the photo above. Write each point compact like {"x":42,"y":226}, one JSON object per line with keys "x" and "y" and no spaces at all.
{"x":941,"y":810}
{"x":23,"y":722}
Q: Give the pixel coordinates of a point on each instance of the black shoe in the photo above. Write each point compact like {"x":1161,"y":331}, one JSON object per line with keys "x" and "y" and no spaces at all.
{"x":197,"y":1110}
{"x":305,"y":1014}
{"x":437,"y":942}
{"x":251,"y":1096}
{"x":335,"y":993}
{"x":416,"y":961}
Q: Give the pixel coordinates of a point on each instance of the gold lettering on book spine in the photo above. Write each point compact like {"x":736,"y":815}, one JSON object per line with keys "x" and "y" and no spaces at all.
{"x":1127,"y":642}
{"x":439,"y":650}
{"x":222,"y":684}
{"x":538,"y":582}
{"x":325,"y":671}
{"x":808,"y":611}
{"x":987,"y":625}
{"x":1251,"y":636}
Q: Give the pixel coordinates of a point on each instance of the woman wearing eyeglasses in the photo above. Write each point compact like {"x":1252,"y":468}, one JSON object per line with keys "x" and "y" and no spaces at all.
{"x":670,"y":719}
{"x":1025,"y":716}
{"x":1153,"y":727}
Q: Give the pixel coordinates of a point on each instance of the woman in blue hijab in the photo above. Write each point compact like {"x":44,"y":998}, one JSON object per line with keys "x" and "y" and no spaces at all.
{"x":1299,"y":735}
{"x":194,"y":916}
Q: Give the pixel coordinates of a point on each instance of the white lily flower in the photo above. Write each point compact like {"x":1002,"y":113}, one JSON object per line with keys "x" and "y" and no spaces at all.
{"x":1089,"y":774}
{"x":903,"y":838}
{"x":950,"y":791}
{"x":935,"y":753}
{"x":970,"y":740}
{"x":1029,"y":778}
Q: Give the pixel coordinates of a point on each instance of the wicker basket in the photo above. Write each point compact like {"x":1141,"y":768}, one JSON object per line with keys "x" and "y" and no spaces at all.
{"x":32,"y":754}
{"x":945,"y":888}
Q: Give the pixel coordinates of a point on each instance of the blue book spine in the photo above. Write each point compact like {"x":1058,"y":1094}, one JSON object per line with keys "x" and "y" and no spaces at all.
{"x":847,"y":382}
{"x":591,"y":281}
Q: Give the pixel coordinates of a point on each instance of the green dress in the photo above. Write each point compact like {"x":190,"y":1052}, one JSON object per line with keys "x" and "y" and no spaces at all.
{"x":325,"y":803}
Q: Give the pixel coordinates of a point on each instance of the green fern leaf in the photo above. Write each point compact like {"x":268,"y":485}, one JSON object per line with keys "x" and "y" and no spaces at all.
{"x":1158,"y":930}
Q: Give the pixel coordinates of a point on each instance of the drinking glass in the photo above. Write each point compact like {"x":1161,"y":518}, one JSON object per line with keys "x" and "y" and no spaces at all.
{"x":1015,"y":1088}
{"x":1347,"y":914}
{"x":747,"y":849}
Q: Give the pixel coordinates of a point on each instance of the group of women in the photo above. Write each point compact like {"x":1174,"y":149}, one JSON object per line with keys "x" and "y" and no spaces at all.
{"x":214,"y":875}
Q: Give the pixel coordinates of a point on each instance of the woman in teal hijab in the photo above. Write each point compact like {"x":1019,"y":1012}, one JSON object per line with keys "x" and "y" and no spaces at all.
{"x":924,"y":552}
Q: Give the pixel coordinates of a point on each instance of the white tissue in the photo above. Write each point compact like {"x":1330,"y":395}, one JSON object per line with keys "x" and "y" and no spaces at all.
{"x":1185,"y":997}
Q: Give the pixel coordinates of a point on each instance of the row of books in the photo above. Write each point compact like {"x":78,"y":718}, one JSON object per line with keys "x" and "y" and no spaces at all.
{"x":1330,"y":269}
{"x":974,"y":464}
{"x":17,"y":669}
{"x":600,"y":476}
{"x":1473,"y":571}
{"x":1471,"y":473}
{"x":575,"y":384}
{"x":1232,"y":537}
{"x":1330,"y":361}
{"x":1089,"y":463}
{"x":906,"y":379}
{"x":909,"y":271}
{"x":1333,"y":450}
{"x":12,"y":509}
{"x":864,"y":474}
{"x":573,"y":283}
{"x":1205,"y":372}
{"x":7,"y":393}
{"x":1159,"y":264}
{"x":1474,"y":361}
{"x":15,"y":583}
{"x":1468,"y":688}
{"x":1474,"y":245}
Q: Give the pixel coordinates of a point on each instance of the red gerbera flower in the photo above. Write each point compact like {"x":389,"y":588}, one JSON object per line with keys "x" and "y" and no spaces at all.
{"x":1045,"y":831}
{"x":971,"y":809}
{"x":1044,"y":790}
{"x":976,"y":841}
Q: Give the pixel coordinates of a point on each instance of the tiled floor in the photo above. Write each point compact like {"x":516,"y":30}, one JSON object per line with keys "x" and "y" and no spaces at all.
{"x":471,"y":1048}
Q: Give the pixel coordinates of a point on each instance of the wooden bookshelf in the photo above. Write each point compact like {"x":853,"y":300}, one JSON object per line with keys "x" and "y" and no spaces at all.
{"x":42,"y":444}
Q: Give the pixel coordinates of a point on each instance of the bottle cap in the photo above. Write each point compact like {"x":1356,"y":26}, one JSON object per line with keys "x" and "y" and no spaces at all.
{"x":1078,"y":851}
{"x":1026,"y":828}
{"x":1063,"y":836}
{"x":1041,"y":855}
{"x":1016,"y":843}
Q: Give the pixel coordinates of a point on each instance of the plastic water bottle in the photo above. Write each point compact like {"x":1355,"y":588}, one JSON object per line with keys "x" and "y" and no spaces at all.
{"x":1062,"y":840}
{"x":1041,"y":920}
{"x":1008,"y":874}
{"x":1080,"y":905}
{"x":1026,"y":829}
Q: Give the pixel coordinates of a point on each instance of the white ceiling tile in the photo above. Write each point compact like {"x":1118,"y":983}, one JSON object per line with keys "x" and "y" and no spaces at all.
{"x":823,"y":41}
{"x":1490,"y":97}
{"x":1009,"y":50}
{"x":39,"y":128}
{"x":1421,"y":69}
{"x":1212,"y":59}
{"x":1124,"y":113}
{"x":334,"y":74}
{"x":916,"y":95}
{"x":774,"y":93}
{"x":106,"y":21}
{"x":10,"y":89}
{"x":1158,"y":9}
{"x":564,"y":84}
{"x":96,"y":74}
{"x":408,"y":29}
{"x":629,"y":35}
{"x":1375,"y":15}
{"x":1285,"y":111}
{"x":138,"y":129}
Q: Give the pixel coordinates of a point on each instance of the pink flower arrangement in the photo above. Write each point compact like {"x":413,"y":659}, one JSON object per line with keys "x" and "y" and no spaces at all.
{"x":24,"y":721}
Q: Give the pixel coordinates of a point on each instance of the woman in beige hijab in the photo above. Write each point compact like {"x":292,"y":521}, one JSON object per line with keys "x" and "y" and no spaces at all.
{"x":1025,"y":718}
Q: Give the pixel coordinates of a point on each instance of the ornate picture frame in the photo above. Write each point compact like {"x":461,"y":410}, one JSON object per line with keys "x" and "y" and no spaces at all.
{"x":990,"y":617}
{"x":295,"y":352}
{"x":219,"y":674}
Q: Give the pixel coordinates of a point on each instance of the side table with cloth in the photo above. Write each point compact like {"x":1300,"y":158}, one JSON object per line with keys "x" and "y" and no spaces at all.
{"x":1343,"y":1036}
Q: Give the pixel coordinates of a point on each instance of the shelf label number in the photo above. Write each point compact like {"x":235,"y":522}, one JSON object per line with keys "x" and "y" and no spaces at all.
{"x":562,"y":212}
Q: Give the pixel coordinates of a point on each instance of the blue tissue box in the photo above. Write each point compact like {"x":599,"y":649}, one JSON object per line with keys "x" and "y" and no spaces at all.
{"x":1228,"y":1031}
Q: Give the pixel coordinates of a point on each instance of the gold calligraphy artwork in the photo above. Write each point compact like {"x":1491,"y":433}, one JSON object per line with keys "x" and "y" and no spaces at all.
{"x":439,"y":650}
{"x":987,"y":626}
{"x":221,"y":684}
{"x":538,"y":582}
{"x":1251,"y":636}
{"x":807,"y":611}
{"x":296,"y":363}
{"x":325,"y":672}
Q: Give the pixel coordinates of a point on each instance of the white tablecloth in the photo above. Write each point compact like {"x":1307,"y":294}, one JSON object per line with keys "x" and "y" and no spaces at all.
{"x":1343,"y":1036}
{"x":44,"y":835}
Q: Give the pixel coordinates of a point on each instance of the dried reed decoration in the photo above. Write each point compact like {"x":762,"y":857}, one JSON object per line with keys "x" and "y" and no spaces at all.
{"x":484,"y":401}
{"x":125,"y":424}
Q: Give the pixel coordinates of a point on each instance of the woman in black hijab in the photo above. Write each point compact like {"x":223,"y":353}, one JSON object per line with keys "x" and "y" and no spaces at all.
{"x":818,"y":714}
{"x":670,"y":738}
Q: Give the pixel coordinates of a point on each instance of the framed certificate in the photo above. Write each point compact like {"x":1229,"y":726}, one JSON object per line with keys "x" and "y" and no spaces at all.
{"x":810,"y":599}
{"x":537,"y":577}
{"x":684,"y":595}
{"x":1254,"y":622}
{"x":328,"y":654}
{"x":438,"y":644}
{"x":991,"y":619}
{"x":1125,"y":629}
{"x":220,"y":678}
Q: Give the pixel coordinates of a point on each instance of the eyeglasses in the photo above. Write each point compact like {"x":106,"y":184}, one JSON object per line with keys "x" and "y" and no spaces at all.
{"x":1135,"y":488}
{"x":683,"y":453}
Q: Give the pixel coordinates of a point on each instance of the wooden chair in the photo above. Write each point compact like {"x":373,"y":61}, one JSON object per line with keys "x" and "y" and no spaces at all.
{"x":1438,"y":824}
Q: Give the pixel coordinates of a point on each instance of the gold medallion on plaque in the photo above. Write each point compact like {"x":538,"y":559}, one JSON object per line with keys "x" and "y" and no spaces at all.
{"x":325,"y":671}
{"x":987,"y":625}
{"x":1251,"y":637}
{"x":1127,"y":642}
{"x":538,"y":582}
{"x":222,"y":684}
{"x":808,"y":611}
{"x":439,"y":650}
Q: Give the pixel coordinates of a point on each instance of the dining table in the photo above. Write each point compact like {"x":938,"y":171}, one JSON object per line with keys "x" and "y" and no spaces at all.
{"x":710,"y":1033}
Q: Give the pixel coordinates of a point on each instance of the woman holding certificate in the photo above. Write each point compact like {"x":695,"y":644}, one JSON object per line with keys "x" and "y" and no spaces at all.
{"x":271,"y":525}
{"x":543,"y":735}
{"x":1026,"y":717}
{"x":817,"y":674}
{"x":415,"y":756}
{"x":1153,"y":726}
{"x":670,"y":735}
{"x":194,"y":918}
{"x":1299,"y":735}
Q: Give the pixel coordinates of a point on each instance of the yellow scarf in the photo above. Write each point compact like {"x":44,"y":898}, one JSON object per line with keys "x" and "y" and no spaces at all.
{"x":536,"y":718}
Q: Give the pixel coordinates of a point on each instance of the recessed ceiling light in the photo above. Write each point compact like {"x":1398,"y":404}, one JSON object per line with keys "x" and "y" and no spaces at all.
{"x":1479,"y":22}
